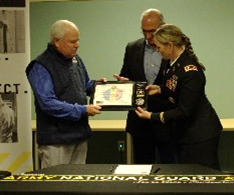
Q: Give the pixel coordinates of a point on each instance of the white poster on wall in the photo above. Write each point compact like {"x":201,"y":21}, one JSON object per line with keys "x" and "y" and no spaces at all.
{"x":15,"y":98}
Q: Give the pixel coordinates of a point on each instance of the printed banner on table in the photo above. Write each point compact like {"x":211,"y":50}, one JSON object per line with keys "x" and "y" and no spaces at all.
{"x":15,"y":98}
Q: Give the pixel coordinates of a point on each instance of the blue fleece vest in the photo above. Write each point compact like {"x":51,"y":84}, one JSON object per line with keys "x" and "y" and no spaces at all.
{"x":69,"y":83}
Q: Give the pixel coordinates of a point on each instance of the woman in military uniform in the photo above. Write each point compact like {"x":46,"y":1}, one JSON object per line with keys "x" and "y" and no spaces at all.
{"x":197,"y":126}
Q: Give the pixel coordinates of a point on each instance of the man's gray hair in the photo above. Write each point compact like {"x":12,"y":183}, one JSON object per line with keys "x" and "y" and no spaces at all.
{"x":58,"y":29}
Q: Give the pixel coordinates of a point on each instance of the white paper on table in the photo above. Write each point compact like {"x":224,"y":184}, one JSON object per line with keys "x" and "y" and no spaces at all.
{"x":133,"y":169}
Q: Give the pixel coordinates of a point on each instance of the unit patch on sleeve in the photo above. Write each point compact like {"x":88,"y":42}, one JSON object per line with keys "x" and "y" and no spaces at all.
{"x":190,"y":68}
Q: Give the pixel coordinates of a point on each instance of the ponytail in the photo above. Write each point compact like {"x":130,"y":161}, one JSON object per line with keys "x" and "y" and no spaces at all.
{"x":189,"y":48}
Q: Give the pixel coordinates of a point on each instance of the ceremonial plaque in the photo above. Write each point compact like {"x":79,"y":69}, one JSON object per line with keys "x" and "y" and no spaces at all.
{"x":119,"y":95}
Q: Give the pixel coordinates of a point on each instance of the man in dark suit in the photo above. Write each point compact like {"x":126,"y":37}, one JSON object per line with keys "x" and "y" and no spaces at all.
{"x":142,"y":62}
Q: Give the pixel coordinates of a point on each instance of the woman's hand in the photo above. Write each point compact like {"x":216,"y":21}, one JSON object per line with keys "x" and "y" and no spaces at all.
{"x":143,"y":113}
{"x":153,"y":89}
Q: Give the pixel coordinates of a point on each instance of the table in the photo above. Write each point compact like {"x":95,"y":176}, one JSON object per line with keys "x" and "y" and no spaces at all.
{"x":93,"y":179}
{"x":115,"y":125}
{"x":119,"y":125}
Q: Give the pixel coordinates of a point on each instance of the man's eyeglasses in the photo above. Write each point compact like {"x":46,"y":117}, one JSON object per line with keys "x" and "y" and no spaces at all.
{"x":148,"y":31}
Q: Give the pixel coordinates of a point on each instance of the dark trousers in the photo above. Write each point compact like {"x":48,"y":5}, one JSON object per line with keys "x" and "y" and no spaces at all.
{"x":202,"y":153}
{"x":145,"y":151}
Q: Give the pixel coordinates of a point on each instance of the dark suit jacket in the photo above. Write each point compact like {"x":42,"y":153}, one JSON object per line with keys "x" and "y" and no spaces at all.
{"x":133,"y":68}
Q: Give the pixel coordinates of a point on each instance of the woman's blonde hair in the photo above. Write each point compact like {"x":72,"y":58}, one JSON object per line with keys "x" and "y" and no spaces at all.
{"x":171,"y":33}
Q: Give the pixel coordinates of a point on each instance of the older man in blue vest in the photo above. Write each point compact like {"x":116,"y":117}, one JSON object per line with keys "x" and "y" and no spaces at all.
{"x":60,"y":84}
